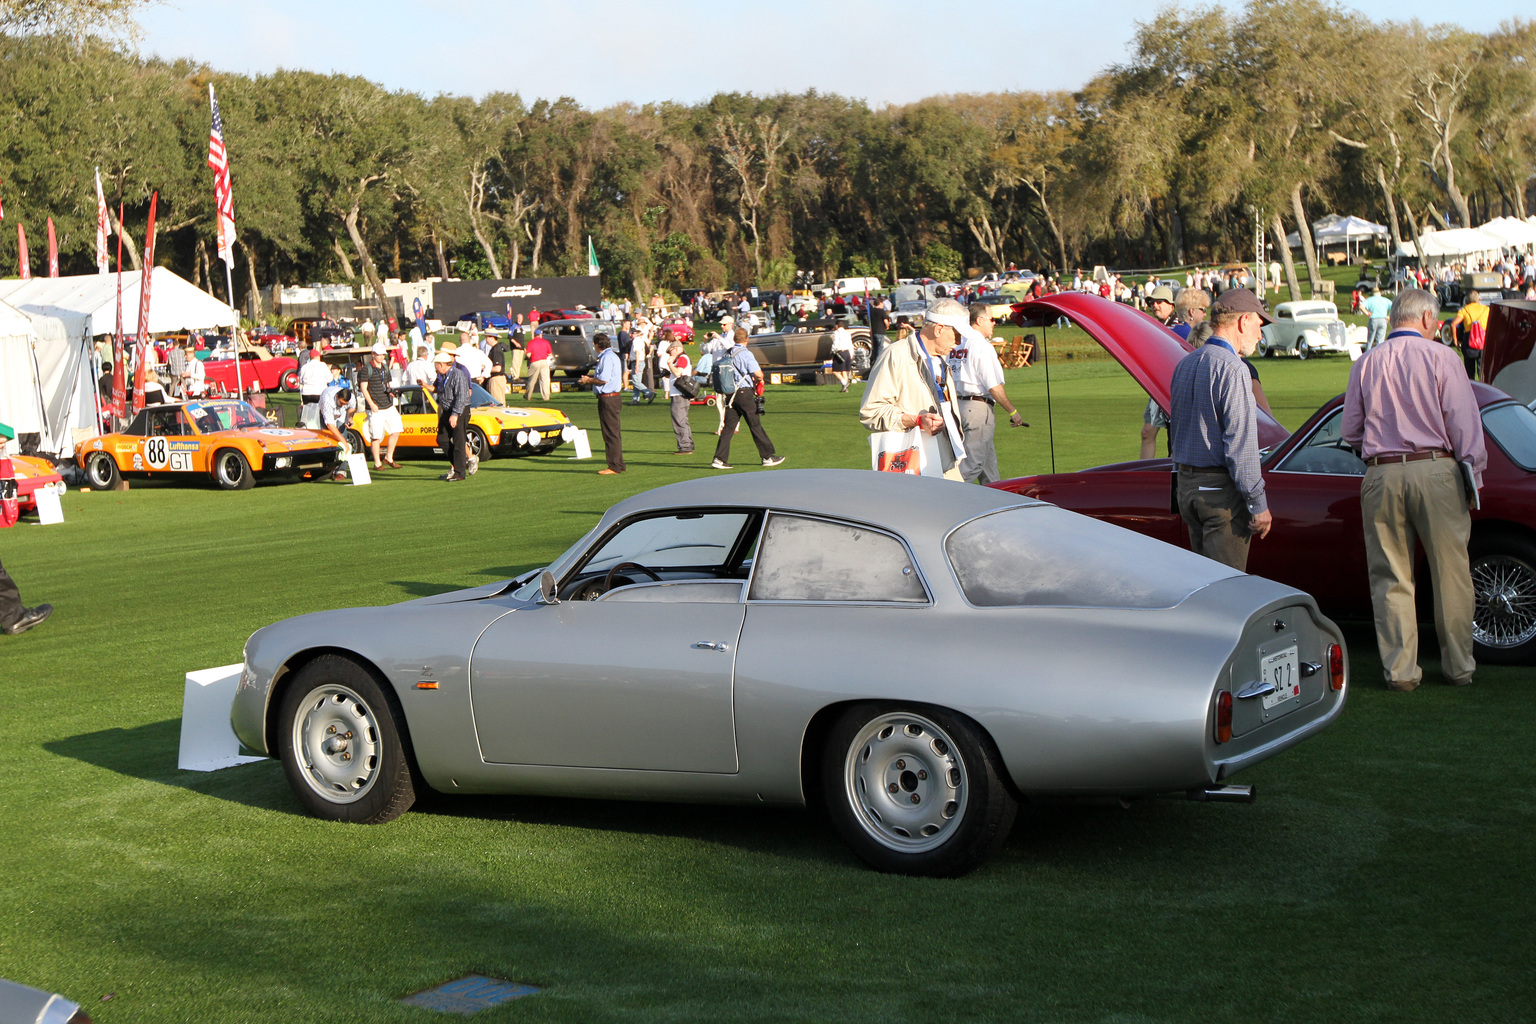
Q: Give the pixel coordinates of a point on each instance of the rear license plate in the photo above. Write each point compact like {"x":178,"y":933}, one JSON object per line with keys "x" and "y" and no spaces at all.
{"x":1282,"y":670}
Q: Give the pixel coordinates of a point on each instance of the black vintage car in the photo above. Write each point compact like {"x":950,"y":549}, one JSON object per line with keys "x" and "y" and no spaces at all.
{"x":805,"y":346}
{"x":571,"y":341}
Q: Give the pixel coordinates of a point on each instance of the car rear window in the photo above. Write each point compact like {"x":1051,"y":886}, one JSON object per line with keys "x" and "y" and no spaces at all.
{"x":1513,"y":427}
{"x":1043,"y":555}
{"x":804,"y":559}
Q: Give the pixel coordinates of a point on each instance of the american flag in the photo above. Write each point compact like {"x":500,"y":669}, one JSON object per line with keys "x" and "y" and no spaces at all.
{"x":101,"y":227}
{"x":223,"y":193}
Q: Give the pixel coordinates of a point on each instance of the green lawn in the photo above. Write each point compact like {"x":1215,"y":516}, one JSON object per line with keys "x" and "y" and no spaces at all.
{"x":1381,"y":876}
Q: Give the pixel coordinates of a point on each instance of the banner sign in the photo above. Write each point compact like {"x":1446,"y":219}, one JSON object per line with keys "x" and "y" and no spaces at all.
{"x":452,"y":299}
{"x":142,"y":343}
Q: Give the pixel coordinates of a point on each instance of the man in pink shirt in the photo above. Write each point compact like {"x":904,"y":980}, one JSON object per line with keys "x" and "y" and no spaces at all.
{"x":1410,"y":410}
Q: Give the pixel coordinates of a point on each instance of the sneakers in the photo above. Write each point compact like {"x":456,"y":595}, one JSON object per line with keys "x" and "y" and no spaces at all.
{"x":773,"y":460}
{"x":474,"y":464}
{"x":451,"y":477}
{"x":717,"y":464}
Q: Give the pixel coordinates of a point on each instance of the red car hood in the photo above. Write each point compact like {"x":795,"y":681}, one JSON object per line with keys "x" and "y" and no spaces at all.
{"x":1511,"y":337}
{"x":1148,"y":350}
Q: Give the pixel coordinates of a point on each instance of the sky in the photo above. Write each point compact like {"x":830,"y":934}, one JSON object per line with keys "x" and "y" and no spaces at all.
{"x":603,"y":52}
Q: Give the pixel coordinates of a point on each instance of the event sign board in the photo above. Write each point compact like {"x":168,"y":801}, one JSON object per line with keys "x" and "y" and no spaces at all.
{"x":451,"y":299}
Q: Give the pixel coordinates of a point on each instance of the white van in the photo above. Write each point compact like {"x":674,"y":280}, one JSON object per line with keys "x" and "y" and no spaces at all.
{"x":857,"y":285}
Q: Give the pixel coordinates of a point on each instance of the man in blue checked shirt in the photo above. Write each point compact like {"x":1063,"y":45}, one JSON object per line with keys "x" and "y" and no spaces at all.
{"x":1214,"y":428}
{"x":607,"y":378}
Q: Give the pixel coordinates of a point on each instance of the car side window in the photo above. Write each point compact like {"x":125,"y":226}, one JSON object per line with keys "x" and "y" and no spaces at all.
{"x":804,"y":559}
{"x":1326,"y":451}
{"x":167,"y":423}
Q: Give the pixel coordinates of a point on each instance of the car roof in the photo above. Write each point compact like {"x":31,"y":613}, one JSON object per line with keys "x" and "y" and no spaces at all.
{"x":910,"y":505}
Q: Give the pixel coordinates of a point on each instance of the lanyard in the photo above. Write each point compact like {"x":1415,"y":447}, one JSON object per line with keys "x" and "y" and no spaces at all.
{"x":1222,"y":342}
{"x":940,"y":378}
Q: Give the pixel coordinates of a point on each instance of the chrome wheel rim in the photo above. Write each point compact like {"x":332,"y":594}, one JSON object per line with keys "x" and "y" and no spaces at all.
{"x":101,"y":475}
{"x":229,"y":468}
{"x":1505,"y":588}
{"x":336,"y":742}
{"x":905,"y":782}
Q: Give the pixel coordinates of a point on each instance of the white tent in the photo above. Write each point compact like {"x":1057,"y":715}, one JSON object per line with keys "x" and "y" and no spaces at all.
{"x":1511,"y":231}
{"x":1349,"y":229}
{"x":47,"y":379}
{"x":175,"y":304}
{"x":1452,"y":243}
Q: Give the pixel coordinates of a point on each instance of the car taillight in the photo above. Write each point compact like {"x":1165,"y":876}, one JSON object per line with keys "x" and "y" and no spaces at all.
{"x":1223,"y":716}
{"x":1336,"y":666}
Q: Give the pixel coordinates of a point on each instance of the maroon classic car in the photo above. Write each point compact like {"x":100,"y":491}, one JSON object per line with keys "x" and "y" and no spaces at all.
{"x":1312,"y":478}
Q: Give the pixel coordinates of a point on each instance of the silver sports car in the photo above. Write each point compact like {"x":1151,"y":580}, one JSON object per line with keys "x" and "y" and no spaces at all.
{"x":919,"y":655}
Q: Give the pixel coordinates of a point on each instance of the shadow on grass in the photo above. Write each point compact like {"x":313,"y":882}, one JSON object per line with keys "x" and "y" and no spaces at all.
{"x":149,"y":752}
{"x":421,"y":588}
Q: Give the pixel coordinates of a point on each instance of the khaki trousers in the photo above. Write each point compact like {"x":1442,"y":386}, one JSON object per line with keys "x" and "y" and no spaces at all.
{"x":1404,"y":502}
{"x":496,"y":384}
{"x":538,"y":380}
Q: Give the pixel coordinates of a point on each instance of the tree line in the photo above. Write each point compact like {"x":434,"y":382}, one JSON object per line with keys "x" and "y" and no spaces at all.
{"x":1219,"y":122}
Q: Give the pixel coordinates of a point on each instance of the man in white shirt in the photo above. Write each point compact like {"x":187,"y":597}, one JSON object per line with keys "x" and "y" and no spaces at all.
{"x":475,"y":361}
{"x":314,"y":378}
{"x":842,"y":355}
{"x":419,"y":370}
{"x":979,"y":386}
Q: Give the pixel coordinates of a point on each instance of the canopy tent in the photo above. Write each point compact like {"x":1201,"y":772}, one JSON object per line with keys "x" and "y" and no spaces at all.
{"x":1441,"y":245}
{"x":175,"y":304}
{"x":47,"y":377}
{"x":1349,"y":229}
{"x":1511,"y":231}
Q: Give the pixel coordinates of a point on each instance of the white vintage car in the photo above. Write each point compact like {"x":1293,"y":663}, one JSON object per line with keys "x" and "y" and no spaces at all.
{"x":1307,"y":328}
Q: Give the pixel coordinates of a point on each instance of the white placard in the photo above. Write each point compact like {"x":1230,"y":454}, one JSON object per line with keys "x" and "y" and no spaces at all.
{"x":49,"y":509}
{"x":583,"y":445}
{"x":208,"y":742}
{"x":357,"y":469}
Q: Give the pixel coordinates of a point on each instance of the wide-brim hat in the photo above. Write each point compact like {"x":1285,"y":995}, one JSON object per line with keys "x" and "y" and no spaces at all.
{"x":443,"y":356}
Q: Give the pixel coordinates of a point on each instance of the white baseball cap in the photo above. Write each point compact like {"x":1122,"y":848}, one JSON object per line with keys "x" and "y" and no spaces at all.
{"x":951,"y":314}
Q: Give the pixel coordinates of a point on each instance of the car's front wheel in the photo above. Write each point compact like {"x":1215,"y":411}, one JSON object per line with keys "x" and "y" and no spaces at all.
{"x":290,"y":381}
{"x":1504,"y":585}
{"x":340,"y":744}
{"x":916,"y":790}
{"x":478,"y":446}
{"x":231,"y":472}
{"x":101,"y":471}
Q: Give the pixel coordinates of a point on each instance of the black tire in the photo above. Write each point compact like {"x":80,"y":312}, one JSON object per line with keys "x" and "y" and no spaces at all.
{"x":1504,"y":584}
{"x":231,"y":472}
{"x":290,"y":381}
{"x":862,"y":347}
{"x":339,"y":740}
{"x":916,"y":790}
{"x":100,"y":471}
{"x":1301,"y":351}
{"x":478,"y":446}
{"x":356,"y":443}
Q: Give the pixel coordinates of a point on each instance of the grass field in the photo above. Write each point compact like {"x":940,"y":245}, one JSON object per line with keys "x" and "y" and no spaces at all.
{"x":1382,"y":876}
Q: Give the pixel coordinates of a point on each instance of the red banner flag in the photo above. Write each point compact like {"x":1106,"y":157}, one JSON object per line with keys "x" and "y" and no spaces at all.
{"x":21,"y":249}
{"x":53,"y":251}
{"x":142,"y":347}
{"x":119,"y":378}
{"x":101,"y":227}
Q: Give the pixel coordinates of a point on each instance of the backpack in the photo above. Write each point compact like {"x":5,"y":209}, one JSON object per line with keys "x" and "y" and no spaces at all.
{"x":722,"y":375}
{"x":1476,"y":335}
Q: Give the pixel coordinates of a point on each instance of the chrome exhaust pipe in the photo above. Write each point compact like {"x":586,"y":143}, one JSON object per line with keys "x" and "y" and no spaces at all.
{"x":1225,"y":794}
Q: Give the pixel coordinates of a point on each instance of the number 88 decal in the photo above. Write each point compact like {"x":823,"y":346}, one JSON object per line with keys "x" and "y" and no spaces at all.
{"x":155,"y":453}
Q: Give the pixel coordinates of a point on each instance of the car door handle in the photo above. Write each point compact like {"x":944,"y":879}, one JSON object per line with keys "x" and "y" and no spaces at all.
{"x":706,"y":645}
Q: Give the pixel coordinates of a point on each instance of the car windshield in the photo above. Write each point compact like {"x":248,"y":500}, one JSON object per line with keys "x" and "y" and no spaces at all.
{"x":1513,"y":428}
{"x":478,"y":396}
{"x":1043,"y":555}
{"x":224,"y":416}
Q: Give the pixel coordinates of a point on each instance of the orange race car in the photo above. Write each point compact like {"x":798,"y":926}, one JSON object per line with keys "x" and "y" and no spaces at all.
{"x":32,"y":475}
{"x":227,"y":440}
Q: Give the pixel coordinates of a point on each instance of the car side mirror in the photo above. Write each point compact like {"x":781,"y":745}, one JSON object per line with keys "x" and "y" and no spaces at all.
{"x":547,"y":593}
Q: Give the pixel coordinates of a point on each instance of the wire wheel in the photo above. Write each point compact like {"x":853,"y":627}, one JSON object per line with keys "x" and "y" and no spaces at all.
{"x":1505,"y":588}
{"x":337,"y":744}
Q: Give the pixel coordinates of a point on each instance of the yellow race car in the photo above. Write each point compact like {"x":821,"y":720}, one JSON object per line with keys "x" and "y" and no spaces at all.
{"x":226,"y":439}
{"x":493,"y":429}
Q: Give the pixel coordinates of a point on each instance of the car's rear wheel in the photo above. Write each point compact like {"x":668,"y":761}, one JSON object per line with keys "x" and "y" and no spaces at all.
{"x":916,"y":790}
{"x":231,"y":472}
{"x":1504,"y":584}
{"x":290,"y":381}
{"x":101,"y":471}
{"x":340,"y":744}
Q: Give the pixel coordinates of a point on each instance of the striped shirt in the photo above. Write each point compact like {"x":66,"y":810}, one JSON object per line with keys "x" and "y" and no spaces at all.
{"x":1214,"y":422}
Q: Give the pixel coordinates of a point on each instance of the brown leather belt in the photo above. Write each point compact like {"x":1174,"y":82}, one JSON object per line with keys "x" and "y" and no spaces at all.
{"x":1432,"y":453}
{"x":977,"y":398}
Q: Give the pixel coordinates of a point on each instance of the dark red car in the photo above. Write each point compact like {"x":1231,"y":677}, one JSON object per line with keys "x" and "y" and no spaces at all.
{"x":1312,"y":478}
{"x":566,"y":314}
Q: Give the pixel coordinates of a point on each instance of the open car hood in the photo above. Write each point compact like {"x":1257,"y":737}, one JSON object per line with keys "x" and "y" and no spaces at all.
{"x":1148,"y":350}
{"x":1507,"y":351}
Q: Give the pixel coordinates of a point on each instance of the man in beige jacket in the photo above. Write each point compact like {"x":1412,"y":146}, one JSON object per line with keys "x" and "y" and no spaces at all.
{"x":910,"y":385}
